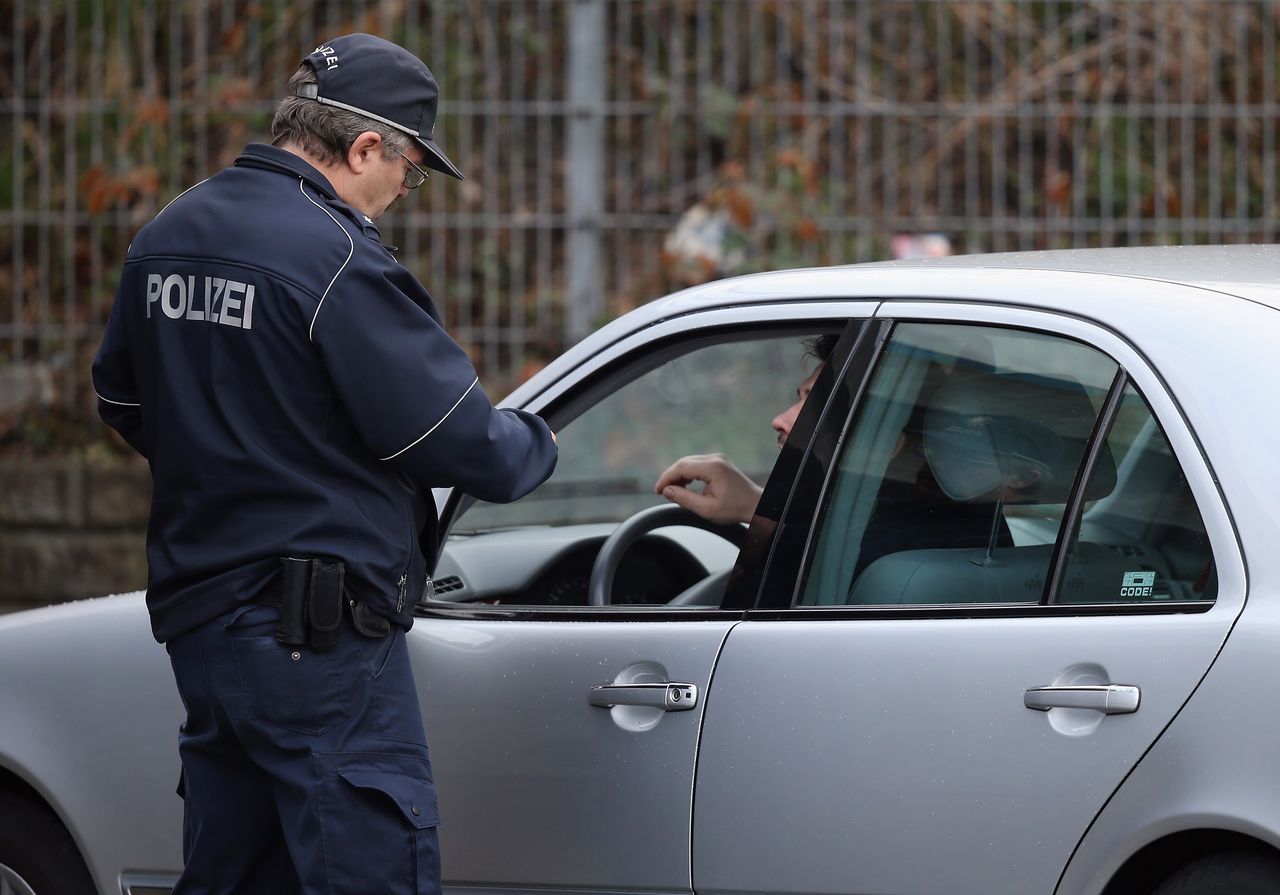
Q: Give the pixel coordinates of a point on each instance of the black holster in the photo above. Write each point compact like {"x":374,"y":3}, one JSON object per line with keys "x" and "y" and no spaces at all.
{"x":312,"y":591}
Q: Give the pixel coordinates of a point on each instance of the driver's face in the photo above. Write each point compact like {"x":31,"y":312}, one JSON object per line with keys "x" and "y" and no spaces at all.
{"x":783,"y":422}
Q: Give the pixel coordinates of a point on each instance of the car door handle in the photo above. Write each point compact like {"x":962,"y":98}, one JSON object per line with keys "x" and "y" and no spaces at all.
{"x":1110,"y":699}
{"x":668,"y":697}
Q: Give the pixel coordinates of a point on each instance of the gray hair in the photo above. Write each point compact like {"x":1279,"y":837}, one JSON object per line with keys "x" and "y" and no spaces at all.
{"x":326,"y":132}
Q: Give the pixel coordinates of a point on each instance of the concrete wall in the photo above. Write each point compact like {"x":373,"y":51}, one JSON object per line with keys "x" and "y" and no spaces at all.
{"x":71,"y":529}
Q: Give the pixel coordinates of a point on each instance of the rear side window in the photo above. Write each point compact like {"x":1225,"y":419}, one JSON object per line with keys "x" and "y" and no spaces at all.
{"x":1145,"y":540}
{"x":956,"y":482}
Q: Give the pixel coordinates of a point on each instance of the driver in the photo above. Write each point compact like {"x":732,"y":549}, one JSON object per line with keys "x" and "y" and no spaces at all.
{"x":912,"y":511}
{"x":728,"y":495}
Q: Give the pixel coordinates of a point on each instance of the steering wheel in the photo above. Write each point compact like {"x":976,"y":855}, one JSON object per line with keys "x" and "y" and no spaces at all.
{"x":630,"y":530}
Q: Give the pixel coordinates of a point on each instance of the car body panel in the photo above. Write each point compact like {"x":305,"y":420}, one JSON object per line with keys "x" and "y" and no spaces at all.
{"x":542,"y":790}
{"x":99,"y":729}
{"x":887,"y":749}
{"x":907,"y":745}
{"x":1211,"y":771}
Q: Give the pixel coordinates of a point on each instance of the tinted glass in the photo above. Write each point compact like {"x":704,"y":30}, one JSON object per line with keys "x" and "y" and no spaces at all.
{"x":952,"y":484}
{"x":1145,"y":540}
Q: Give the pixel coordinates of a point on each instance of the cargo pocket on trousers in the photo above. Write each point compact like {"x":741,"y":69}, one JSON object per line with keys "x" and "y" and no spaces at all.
{"x":378,"y":820}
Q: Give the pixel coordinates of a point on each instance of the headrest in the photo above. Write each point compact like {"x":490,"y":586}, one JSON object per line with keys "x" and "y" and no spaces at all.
{"x":1018,"y":436}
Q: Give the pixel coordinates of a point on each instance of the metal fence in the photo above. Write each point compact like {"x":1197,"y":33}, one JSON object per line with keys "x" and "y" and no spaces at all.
{"x":616,"y":149}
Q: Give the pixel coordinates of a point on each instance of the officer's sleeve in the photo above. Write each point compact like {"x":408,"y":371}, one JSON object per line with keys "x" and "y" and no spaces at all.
{"x":119,"y":403}
{"x":414,"y":395}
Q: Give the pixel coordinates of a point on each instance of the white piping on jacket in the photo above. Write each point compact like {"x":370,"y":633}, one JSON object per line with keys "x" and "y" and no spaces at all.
{"x":118,"y":403}
{"x":180,"y":195}
{"x":436,"y":426}
{"x":340,"y":269}
{"x":158,"y":213}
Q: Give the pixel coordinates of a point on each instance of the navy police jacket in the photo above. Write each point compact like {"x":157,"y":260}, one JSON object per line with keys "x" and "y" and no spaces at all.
{"x":295,"y":394}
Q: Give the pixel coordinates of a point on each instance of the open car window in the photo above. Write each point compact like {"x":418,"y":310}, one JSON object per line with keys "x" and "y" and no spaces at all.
{"x":719,"y":397}
{"x":958,"y":478}
{"x":711,"y":394}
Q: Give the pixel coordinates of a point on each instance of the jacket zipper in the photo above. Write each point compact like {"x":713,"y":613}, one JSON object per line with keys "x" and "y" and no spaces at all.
{"x":404,"y":575}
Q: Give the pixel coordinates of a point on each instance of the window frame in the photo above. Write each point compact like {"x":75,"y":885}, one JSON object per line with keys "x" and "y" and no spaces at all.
{"x":780,"y":590}
{"x":617,"y":364}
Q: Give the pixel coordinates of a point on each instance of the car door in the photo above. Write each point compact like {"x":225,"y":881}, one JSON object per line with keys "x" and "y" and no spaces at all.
{"x":1006,"y":571}
{"x":546,"y":781}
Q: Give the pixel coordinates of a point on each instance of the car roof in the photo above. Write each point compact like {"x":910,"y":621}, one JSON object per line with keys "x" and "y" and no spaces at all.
{"x":1214,"y":278}
{"x":1251,"y":272}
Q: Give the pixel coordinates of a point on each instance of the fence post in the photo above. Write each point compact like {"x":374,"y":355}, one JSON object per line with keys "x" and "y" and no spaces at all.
{"x":587,"y":75}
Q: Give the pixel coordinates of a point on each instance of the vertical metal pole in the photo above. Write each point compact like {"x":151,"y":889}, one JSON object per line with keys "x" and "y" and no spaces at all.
{"x":869,"y":215}
{"x":44,"y":188}
{"x":70,"y":197}
{"x":1162,"y":177}
{"x":1188,"y":208}
{"x":624,"y":172}
{"x":545,"y":83}
{"x":19,"y":219}
{"x":1268,"y":99}
{"x":586,"y":165}
{"x":465,"y":262}
{"x":518,"y":132}
{"x":1135,"y":165}
{"x":97,"y":67}
{"x":1243,"y":230}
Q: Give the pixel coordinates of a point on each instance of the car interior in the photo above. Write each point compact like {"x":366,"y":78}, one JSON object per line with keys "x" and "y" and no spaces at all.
{"x":952,"y":488}
{"x":714,"y":393}
{"x":972,"y":502}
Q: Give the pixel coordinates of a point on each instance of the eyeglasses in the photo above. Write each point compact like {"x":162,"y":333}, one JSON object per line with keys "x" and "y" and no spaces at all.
{"x":414,"y":176}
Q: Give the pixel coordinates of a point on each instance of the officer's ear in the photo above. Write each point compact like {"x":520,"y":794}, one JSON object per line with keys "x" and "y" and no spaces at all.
{"x":365,"y":150}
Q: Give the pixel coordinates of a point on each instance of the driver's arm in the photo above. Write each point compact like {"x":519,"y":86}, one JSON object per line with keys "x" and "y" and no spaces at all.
{"x":728,"y":496}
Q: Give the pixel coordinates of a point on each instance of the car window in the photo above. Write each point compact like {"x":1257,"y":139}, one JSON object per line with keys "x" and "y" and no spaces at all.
{"x":1145,"y":541}
{"x":713,"y":394}
{"x":953,"y":482}
{"x":714,"y":398}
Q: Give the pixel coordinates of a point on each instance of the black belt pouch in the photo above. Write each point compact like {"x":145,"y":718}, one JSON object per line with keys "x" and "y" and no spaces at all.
{"x":294,"y":577}
{"x":324,"y":603}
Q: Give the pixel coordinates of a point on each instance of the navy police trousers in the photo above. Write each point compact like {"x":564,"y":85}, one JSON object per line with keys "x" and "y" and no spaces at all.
{"x":302,"y":772}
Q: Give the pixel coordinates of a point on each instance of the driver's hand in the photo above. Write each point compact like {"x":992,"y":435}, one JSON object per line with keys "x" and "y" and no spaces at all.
{"x":727,"y":496}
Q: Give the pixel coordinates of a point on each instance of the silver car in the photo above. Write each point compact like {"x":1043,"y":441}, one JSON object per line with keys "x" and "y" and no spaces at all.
{"x":1000,"y":623}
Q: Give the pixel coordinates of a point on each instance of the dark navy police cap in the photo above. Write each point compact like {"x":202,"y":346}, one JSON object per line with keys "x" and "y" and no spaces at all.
{"x":380,"y":80}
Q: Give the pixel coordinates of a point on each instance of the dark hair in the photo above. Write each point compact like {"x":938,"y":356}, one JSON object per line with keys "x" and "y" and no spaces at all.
{"x":326,"y":132}
{"x":820,"y":347}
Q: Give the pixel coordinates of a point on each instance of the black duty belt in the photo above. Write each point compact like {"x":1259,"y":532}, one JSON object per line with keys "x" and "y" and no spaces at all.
{"x":310,"y":596}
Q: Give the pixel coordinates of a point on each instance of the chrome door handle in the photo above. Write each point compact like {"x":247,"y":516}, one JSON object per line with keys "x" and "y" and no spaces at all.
{"x":668,"y":697}
{"x":1110,"y":699}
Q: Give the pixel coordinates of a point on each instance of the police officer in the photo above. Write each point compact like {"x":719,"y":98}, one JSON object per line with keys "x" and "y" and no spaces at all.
{"x":297,"y":398}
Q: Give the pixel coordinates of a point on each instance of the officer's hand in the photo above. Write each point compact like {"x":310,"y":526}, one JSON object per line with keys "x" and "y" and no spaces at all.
{"x":727,"y":496}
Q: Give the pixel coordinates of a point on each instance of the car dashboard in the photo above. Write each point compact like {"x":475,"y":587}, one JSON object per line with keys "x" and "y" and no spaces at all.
{"x":551,"y":565}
